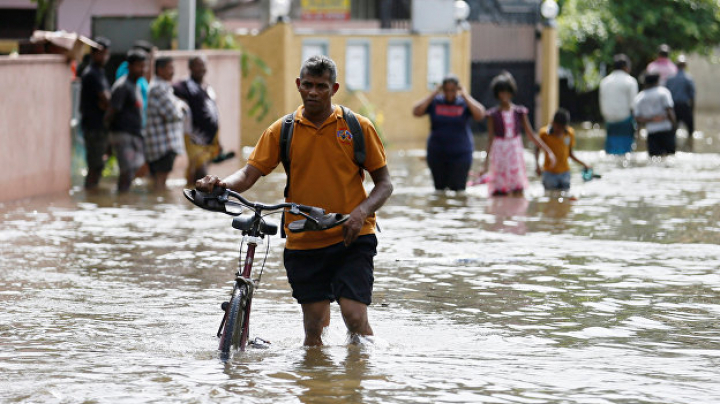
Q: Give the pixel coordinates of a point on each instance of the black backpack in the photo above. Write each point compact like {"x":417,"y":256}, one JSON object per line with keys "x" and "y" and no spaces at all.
{"x":286,"y":133}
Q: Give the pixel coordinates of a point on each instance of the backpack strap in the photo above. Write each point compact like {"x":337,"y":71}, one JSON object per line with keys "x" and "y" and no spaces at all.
{"x":285,"y":141}
{"x":358,"y":143}
{"x":286,"y":133}
{"x":357,"y":135}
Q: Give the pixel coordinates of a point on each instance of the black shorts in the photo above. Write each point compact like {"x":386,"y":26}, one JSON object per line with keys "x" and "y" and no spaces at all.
{"x":96,"y":144}
{"x":333,"y":272}
{"x":661,"y":143}
{"x":164,"y":164}
{"x":449,"y":172}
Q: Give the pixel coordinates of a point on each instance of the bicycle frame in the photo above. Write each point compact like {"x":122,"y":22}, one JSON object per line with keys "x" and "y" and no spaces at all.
{"x":245,"y":276}
{"x":252,"y":237}
{"x":254,"y":229}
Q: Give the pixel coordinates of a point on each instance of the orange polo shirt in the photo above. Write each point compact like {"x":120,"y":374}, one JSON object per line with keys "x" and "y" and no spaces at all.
{"x":323,"y":171}
{"x":560,"y":146}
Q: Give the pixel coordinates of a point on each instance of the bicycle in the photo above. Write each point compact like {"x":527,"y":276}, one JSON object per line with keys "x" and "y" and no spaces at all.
{"x":235,"y":325}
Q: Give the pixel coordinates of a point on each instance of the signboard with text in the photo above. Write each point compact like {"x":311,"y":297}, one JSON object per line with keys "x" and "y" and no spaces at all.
{"x":325,"y":10}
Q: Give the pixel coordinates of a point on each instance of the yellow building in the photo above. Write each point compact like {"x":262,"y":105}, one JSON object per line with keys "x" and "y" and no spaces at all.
{"x":387,"y":70}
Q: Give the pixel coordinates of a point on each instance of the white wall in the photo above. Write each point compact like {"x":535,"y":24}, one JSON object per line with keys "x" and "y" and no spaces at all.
{"x":705,"y":70}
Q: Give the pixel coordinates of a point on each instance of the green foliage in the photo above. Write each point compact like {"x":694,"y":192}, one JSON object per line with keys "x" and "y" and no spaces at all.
{"x":45,"y":14}
{"x":368,"y":110}
{"x":592,"y":31}
{"x":210,"y":33}
{"x":165,"y":25}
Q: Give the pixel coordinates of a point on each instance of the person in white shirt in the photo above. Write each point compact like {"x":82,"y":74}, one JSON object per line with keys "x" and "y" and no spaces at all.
{"x":617,"y":93}
{"x":653,"y":108}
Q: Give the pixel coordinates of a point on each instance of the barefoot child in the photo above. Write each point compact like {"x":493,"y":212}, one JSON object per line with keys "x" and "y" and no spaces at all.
{"x":560,"y":138}
{"x":505,"y":124}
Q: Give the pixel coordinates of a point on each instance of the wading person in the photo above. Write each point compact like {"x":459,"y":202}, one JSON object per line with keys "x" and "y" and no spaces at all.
{"x":450,"y":145}
{"x":334,"y":264}
{"x":201,"y":142}
{"x":94,"y":100}
{"x":506,"y":123}
{"x":617,"y":93}
{"x":682,"y":89}
{"x":654,"y":109}
{"x":164,"y":129}
{"x":560,"y":138}
{"x":662,"y":65}
{"x":143,"y":81}
{"x":124,"y":119}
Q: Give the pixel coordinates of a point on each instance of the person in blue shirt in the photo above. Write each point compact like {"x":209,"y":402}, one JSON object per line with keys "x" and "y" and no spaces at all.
{"x":682,"y":89}
{"x":142,"y":82}
{"x":450,"y":145}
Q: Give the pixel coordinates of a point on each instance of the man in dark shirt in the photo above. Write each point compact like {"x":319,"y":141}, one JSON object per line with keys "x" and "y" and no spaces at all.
{"x":124,"y":118}
{"x":682,"y":88}
{"x":202,"y":141}
{"x":94,"y":99}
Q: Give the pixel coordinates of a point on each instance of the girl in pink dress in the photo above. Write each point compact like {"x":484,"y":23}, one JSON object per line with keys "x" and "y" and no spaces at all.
{"x":506,"y":122}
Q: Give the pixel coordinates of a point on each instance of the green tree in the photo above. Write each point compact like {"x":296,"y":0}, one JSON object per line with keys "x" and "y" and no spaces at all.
{"x":45,"y":14}
{"x":210,"y":33}
{"x":592,"y":31}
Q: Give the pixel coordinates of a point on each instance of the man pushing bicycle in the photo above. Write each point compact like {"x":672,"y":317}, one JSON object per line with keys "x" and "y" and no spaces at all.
{"x":325,"y":149}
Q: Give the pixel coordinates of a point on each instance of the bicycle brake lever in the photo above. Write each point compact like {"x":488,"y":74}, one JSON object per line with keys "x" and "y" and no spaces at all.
{"x":305,"y":215}
{"x":224,"y":196}
{"x":315,"y":214}
{"x":325,"y":222}
{"x":294,"y":209}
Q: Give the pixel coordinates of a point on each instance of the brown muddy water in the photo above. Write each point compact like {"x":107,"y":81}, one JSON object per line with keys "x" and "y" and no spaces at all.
{"x":610,"y":298}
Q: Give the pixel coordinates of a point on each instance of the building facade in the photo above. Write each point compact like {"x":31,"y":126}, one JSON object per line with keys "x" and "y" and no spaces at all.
{"x":382,"y":73}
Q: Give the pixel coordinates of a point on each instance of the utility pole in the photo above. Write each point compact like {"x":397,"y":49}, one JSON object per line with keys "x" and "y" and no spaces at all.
{"x":186,"y":25}
{"x":549,"y":97}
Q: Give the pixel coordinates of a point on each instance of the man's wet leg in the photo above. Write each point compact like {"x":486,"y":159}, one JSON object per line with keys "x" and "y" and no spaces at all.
{"x":316,"y":316}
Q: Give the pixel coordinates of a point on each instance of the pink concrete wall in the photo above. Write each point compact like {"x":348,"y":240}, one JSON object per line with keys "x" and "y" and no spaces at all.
{"x":35,"y":112}
{"x":18,"y":4}
{"x":76,"y":15}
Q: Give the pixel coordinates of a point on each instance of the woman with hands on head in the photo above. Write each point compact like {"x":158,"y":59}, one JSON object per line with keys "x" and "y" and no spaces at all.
{"x":450,"y":145}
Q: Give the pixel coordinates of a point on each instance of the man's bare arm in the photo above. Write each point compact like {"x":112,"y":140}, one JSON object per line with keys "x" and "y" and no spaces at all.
{"x":240,"y":181}
{"x":378,"y":196}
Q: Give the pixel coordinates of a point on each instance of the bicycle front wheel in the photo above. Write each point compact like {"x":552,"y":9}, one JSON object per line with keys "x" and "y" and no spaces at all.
{"x":233,"y":335}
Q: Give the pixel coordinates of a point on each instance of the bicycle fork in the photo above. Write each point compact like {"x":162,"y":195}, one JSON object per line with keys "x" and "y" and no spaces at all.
{"x":225,"y":306}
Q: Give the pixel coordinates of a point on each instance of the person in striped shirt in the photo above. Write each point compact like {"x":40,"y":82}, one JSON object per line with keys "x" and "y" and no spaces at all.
{"x":164,"y":129}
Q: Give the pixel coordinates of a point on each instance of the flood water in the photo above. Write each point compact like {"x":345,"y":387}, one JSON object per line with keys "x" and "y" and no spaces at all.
{"x":610,"y":298}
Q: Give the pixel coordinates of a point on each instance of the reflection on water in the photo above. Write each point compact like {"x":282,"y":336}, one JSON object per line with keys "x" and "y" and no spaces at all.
{"x":607,"y":296}
{"x":506,"y":211}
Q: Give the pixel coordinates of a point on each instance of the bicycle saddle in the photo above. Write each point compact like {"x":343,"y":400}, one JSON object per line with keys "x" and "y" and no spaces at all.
{"x":206,"y":200}
{"x":323,"y":223}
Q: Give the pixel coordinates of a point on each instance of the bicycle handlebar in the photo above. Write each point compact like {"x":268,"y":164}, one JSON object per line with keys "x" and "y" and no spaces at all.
{"x":218,"y":198}
{"x":294,"y":207}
